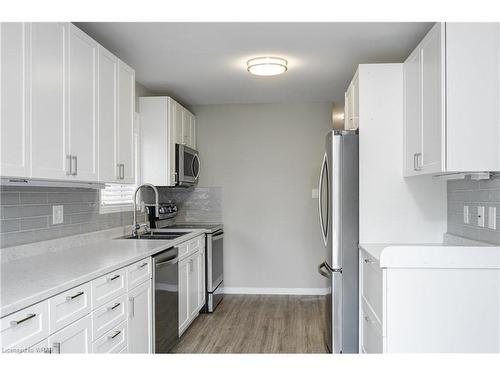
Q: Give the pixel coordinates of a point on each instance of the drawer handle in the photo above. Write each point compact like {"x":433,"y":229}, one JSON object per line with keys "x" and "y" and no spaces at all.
{"x":17,"y":322}
{"x":114,"y":335}
{"x":367,"y":319}
{"x":113,"y":278}
{"x":366,"y":260}
{"x":70,"y":298}
{"x":114,"y":306}
{"x":142,"y":265}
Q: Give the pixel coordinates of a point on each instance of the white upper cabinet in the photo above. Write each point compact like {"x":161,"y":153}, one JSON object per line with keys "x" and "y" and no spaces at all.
{"x":82,"y":129}
{"x":48,"y":85}
{"x":58,"y":87}
{"x":452,"y":101}
{"x":107,"y":116}
{"x":164,"y":123}
{"x":351,"y":106}
{"x":125,"y":140}
{"x":14,"y":130}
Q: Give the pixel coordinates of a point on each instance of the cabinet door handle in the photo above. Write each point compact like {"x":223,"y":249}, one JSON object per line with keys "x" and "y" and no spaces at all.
{"x":118,"y":171}
{"x":416,"y":158}
{"x":366,"y":260}
{"x":132,"y":307}
{"x":17,"y":322}
{"x":367,"y":319}
{"x":112,"y":278}
{"x":56,"y":347}
{"x":114,"y":306}
{"x":70,"y":298}
{"x":74,"y":171}
{"x":69,"y":158}
{"x":111,"y":337}
{"x":142,"y":265}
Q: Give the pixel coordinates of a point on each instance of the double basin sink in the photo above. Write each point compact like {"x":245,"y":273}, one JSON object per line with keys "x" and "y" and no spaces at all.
{"x":157,"y":235}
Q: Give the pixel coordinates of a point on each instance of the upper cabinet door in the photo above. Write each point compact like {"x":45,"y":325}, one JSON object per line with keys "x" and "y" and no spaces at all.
{"x":48,"y":86}
{"x":82,"y":127}
{"x":432,"y":99}
{"x":14,"y":126}
{"x":192,"y":131}
{"x":126,"y":110}
{"x":107,"y":116}
{"x":412,"y":113}
{"x":178,"y":123}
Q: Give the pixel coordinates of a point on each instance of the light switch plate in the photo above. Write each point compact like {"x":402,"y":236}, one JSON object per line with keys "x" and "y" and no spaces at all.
{"x":480,"y":216}
{"x":315,"y":193}
{"x":466,"y":214}
{"x":57,"y":214}
{"x":492,"y":218}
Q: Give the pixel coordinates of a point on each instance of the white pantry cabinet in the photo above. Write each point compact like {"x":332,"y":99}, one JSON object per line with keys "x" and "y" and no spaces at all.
{"x":351,"y":106}
{"x":54,"y":97}
{"x":452,"y":100}
{"x":140,"y":318}
{"x":164,"y":123}
{"x":14,"y":125}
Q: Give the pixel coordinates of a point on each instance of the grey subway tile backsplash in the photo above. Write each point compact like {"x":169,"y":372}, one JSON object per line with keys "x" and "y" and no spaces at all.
{"x":473,"y":194}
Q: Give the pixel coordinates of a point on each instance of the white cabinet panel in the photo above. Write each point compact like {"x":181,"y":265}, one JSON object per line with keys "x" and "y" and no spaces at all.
{"x":140,"y":319}
{"x":183,"y":295}
{"x":108,"y":287}
{"x":14,"y":125}
{"x":69,"y":306}
{"x":26,"y":327}
{"x":126,"y":110}
{"x":138,"y":273}
{"x":108,"y":316}
{"x":48,"y":85}
{"x":82,"y":125}
{"x":107,"y":116}
{"x":201,"y":279}
{"x":75,"y":338}
{"x":114,"y":341}
{"x":193,"y":284}
{"x":178,"y":123}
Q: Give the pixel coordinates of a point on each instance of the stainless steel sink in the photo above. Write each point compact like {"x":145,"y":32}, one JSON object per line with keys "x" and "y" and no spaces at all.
{"x":156,"y":236}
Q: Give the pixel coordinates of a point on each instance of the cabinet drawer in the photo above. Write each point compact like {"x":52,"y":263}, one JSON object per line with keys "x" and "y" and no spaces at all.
{"x":25,"y":328}
{"x":114,"y":341}
{"x":108,"y":316}
{"x":108,"y":287}
{"x":183,"y":250}
{"x":371,"y":283}
{"x":371,"y":331}
{"x":69,"y":306}
{"x":194,"y":244}
{"x":138,"y":272}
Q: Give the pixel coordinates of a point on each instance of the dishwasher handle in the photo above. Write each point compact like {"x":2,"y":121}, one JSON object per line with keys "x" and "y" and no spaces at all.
{"x":167,"y":262}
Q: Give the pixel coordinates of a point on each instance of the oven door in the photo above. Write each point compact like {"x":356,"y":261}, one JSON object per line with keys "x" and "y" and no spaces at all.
{"x":215,"y":274}
{"x":187,"y":165}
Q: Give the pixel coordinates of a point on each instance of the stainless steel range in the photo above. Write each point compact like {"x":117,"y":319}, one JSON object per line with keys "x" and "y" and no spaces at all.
{"x":160,"y":223}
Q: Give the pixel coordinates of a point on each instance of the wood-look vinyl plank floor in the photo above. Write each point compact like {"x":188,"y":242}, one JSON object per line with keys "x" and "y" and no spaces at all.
{"x":259,"y":324}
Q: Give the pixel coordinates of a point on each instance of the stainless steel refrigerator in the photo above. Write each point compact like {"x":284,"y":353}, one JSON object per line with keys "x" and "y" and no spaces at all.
{"x":338,"y":216}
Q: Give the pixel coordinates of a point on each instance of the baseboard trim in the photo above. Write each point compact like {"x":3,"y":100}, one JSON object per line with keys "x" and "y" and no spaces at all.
{"x":277,"y":291}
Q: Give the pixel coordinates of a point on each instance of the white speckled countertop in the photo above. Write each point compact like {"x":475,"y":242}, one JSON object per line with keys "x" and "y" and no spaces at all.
{"x":30,"y":279}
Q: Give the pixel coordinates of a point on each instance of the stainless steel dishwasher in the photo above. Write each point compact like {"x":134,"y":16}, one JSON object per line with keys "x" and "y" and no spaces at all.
{"x":166,"y":300}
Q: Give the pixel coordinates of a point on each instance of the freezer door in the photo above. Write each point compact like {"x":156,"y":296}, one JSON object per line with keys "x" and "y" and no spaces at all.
{"x":334,"y":162}
{"x":333,"y":308}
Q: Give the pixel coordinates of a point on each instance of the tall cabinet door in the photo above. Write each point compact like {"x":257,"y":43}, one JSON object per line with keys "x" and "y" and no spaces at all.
{"x":139,"y":321}
{"x":126,"y":109}
{"x":82,"y":123}
{"x":412,"y":122}
{"x":194,"y":284}
{"x":14,"y":129}
{"x":48,"y":86}
{"x":432,"y":99}
{"x":107,"y":116}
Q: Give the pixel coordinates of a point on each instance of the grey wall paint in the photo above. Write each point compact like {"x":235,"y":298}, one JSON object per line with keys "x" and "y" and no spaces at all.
{"x":26,"y":214}
{"x":473,"y":193}
{"x":266,"y":158}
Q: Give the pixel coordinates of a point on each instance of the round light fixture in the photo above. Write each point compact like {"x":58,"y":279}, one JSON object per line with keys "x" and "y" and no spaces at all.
{"x":267,"y":66}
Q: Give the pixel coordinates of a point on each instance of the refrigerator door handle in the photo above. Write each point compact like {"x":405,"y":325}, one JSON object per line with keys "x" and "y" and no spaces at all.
{"x":324,"y":229}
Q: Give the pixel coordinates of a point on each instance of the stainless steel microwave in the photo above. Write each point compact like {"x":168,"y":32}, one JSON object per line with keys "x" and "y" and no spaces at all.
{"x":187,"y":165}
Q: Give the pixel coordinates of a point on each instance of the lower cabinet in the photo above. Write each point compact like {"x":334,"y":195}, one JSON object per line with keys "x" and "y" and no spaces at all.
{"x":191,"y":284}
{"x":140,"y":318}
{"x":75,"y":338}
{"x":114,"y":341}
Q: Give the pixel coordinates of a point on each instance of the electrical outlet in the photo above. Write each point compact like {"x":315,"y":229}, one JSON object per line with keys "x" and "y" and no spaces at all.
{"x":315,"y":193}
{"x":57,"y":214}
{"x":480,"y":216}
{"x":492,"y":218}
{"x":466,"y":214}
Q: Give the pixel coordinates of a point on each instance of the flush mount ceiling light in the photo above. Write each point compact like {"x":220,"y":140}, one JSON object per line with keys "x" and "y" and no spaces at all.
{"x":267,"y":66}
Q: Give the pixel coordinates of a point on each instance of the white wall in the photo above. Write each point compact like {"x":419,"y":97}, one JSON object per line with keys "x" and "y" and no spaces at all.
{"x":392,"y":209}
{"x":266,"y":158}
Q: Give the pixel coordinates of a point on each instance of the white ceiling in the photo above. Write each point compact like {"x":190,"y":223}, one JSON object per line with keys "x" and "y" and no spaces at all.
{"x":205,"y":63}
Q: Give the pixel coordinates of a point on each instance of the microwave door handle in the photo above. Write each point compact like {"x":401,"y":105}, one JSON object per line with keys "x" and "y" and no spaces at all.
{"x":196,"y":157}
